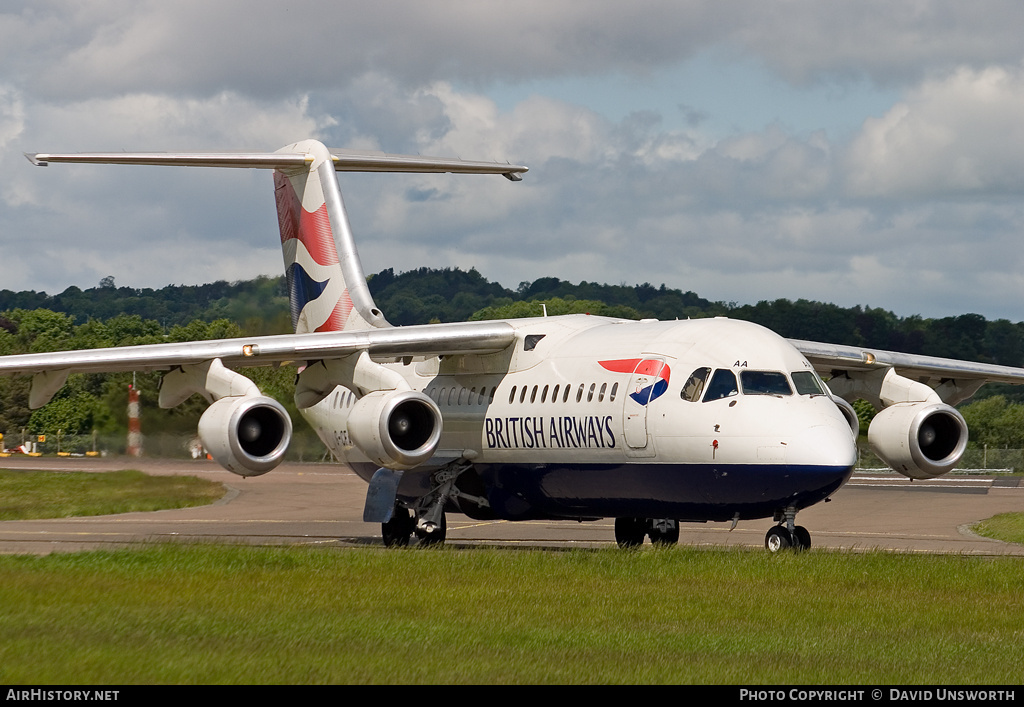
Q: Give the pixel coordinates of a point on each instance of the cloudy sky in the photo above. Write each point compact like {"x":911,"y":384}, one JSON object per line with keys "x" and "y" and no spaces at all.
{"x":861,"y":152}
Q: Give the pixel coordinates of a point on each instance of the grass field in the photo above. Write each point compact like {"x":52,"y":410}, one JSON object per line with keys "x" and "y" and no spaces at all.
{"x":209,"y":614}
{"x":215,"y":614}
{"x":1008,"y":527}
{"x":64,"y":494}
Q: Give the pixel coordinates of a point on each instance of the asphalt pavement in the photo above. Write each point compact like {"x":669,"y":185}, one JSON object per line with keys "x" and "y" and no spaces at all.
{"x":322,"y":504}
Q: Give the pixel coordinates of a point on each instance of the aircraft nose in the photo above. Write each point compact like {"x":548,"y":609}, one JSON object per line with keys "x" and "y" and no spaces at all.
{"x":827,"y":445}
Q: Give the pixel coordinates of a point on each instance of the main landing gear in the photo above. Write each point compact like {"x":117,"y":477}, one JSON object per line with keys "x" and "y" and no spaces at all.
{"x":399,"y":530}
{"x":630,"y":532}
{"x":787,"y":534}
{"x":427,"y":519}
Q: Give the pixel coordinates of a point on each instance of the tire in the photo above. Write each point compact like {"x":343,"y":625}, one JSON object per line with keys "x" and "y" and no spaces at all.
{"x":437,"y":537}
{"x":397,"y":531}
{"x":778,"y":539}
{"x":801,"y":538}
{"x":669,"y":536}
{"x":630,"y":532}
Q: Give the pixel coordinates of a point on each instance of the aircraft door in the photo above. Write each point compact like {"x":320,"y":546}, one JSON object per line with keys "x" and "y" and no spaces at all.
{"x":648,"y":382}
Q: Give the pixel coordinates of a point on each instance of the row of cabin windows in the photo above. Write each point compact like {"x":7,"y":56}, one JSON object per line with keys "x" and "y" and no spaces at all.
{"x":457,"y":395}
{"x":723,"y":384}
{"x":566,"y":393}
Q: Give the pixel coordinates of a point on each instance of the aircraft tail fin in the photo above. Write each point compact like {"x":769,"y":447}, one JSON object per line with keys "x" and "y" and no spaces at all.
{"x":326,"y":284}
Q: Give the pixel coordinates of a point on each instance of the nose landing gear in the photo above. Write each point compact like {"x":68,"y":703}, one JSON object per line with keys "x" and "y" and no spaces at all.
{"x":787,"y":534}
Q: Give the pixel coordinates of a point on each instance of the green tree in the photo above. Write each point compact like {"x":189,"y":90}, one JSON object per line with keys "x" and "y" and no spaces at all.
{"x":995,"y":422}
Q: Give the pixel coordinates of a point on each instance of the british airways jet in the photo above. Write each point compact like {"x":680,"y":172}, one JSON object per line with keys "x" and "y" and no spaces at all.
{"x":575,"y":417}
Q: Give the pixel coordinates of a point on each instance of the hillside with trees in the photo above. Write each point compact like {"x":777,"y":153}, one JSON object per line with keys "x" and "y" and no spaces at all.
{"x":107,"y":315}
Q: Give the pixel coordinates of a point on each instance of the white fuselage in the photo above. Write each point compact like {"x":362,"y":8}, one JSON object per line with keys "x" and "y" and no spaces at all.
{"x":581,"y":402}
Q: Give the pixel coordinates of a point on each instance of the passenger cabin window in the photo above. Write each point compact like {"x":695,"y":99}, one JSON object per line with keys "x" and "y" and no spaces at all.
{"x":722,"y":385}
{"x":807,"y":383}
{"x":694,"y":385}
{"x":764,"y":383}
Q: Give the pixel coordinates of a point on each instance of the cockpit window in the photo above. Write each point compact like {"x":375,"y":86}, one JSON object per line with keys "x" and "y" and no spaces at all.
{"x":807,"y":383}
{"x":722,"y":385}
{"x":694,"y":385}
{"x":765,"y":383}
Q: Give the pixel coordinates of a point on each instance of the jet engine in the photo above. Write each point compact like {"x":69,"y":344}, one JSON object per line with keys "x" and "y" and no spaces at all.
{"x":849,"y":414}
{"x":919,"y":440}
{"x":396,"y":429}
{"x":247,"y":435}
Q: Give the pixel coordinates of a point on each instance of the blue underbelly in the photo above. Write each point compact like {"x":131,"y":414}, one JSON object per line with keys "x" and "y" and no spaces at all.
{"x":694,"y":492}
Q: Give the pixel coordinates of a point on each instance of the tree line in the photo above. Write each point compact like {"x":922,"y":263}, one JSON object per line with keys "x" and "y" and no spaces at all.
{"x":107,"y":315}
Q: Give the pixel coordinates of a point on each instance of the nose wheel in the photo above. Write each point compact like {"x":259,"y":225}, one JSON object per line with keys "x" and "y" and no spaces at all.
{"x":787,"y":534}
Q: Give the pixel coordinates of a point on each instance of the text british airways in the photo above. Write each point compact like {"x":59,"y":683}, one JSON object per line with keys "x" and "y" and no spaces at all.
{"x":564,"y":432}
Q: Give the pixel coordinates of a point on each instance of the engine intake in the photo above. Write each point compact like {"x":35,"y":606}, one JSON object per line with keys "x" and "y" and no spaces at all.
{"x":919,"y":440}
{"x":247,"y":435}
{"x":396,"y":429}
{"x":849,"y":414}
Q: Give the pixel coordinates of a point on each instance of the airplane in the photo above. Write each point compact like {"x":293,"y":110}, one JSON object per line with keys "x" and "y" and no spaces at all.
{"x":578,"y":417}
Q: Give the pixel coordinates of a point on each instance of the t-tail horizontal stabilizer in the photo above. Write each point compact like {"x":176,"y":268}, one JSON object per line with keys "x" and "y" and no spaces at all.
{"x":326,"y":284}
{"x":343,"y":160}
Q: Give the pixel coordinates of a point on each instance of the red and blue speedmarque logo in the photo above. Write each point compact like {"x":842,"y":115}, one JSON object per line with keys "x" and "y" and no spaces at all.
{"x":648,"y":367}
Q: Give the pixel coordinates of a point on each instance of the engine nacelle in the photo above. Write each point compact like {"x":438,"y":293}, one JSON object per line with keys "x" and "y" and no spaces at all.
{"x":919,"y":440}
{"x":396,"y":429}
{"x":849,"y":414}
{"x":247,"y":435}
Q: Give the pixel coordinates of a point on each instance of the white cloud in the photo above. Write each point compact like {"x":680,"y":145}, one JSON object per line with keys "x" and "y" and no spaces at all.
{"x":72,"y":50}
{"x":733,"y":213}
{"x":962,"y":134}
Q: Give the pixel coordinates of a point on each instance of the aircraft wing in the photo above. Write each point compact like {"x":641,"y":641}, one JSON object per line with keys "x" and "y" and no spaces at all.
{"x":423,"y":340}
{"x":831,"y":358}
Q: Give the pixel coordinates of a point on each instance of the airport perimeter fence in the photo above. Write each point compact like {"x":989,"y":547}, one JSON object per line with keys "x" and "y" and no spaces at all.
{"x":307,"y":447}
{"x":976,"y":460}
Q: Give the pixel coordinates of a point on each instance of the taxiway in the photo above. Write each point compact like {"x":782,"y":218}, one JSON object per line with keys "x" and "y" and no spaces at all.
{"x":322,"y":504}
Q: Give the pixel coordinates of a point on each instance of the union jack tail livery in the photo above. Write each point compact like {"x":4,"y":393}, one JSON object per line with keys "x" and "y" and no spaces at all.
{"x":326,"y":292}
